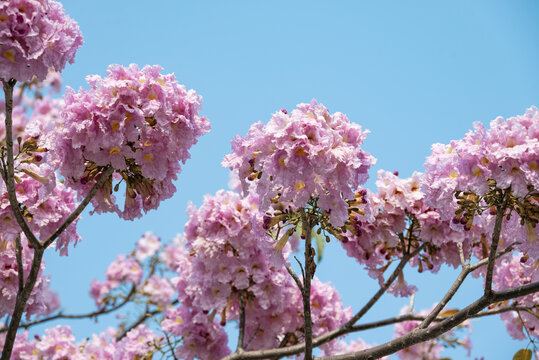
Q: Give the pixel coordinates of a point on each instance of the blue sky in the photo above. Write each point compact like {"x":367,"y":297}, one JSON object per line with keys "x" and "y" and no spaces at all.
{"x":413,"y":73}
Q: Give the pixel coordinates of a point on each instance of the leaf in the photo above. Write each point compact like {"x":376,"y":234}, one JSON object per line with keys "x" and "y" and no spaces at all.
{"x":523,"y":354}
{"x":448,"y":312}
{"x":320,"y":244}
{"x":299,"y":228}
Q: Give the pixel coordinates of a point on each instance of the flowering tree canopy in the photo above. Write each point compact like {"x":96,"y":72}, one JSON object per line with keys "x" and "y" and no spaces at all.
{"x":297,"y":185}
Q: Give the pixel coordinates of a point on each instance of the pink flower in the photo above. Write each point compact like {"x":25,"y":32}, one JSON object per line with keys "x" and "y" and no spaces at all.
{"x":35,"y":36}
{"x":306,"y":154}
{"x":203,"y":338}
{"x":147,"y":246}
{"x":124,"y":269}
{"x":142,"y":124}
{"x":159,"y":290}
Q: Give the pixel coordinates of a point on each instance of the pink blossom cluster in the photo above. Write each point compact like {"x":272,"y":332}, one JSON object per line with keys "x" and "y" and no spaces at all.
{"x":42,"y":299}
{"x":512,"y":272}
{"x":373,"y":232}
{"x":59,"y":343}
{"x":307,"y":153}
{"x":141,"y":123}
{"x":203,"y":337}
{"x":507,"y":153}
{"x":123,"y":270}
{"x":225,"y":255}
{"x":34,"y":37}
{"x":128,"y":270}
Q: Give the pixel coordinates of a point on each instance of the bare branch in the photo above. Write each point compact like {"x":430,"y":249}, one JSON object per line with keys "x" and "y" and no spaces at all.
{"x":76,"y":316}
{"x":295,"y":277}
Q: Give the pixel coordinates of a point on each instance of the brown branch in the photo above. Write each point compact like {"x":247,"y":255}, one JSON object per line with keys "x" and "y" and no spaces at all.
{"x":306,"y":293}
{"x":77,"y":316}
{"x":9,"y":176}
{"x":104,"y":177}
{"x":295,"y":277}
{"x":20,"y":303}
{"x":500,"y":214}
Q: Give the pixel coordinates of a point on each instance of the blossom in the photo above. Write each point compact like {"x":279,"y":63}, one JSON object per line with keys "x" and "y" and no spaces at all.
{"x":159,"y":290}
{"x":203,"y":338}
{"x":141,"y":123}
{"x":147,"y":246}
{"x":34,"y":37}
{"x":307,"y":153}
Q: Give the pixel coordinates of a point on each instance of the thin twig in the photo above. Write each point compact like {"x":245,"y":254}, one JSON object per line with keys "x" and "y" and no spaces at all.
{"x":295,"y":277}
{"x":76,"y":316}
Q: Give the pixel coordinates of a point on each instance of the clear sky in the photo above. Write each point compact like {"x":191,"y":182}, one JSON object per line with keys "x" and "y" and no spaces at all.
{"x":413,"y":73}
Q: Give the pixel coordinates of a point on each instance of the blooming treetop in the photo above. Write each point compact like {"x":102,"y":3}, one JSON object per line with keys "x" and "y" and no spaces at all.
{"x":300,"y":174}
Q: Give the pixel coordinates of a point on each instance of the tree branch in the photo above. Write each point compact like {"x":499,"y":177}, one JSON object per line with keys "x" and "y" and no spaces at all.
{"x":105,"y":175}
{"x":500,"y":214}
{"x":20,"y":303}
{"x":306,"y":293}
{"x":9,"y":178}
{"x":76,"y":316}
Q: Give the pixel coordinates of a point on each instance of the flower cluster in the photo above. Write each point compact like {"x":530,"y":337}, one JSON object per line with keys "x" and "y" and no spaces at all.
{"x":226,"y":255}
{"x":34,"y":37}
{"x":307,"y":153}
{"x":60,"y":343}
{"x":511,"y":273}
{"x":507,"y":153}
{"x":128,"y":272}
{"x":141,"y":123}
{"x":42,"y":300}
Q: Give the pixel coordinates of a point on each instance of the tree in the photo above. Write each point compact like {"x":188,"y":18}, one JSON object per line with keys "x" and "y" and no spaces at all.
{"x":297,"y":180}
